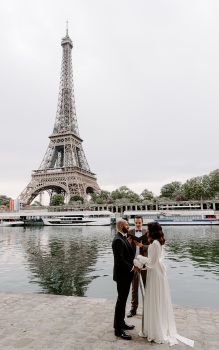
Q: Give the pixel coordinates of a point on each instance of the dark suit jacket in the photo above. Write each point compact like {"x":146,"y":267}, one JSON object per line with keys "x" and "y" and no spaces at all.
{"x":144,"y":249}
{"x":123,"y":258}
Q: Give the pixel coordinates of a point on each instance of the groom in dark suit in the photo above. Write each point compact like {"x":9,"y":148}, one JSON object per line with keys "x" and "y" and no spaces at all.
{"x":123,"y":273}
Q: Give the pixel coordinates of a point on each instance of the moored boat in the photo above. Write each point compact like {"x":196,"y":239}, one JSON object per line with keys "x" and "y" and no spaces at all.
{"x":174,"y":217}
{"x":10,"y":222}
{"x":82,"y":218}
{"x":65,"y":218}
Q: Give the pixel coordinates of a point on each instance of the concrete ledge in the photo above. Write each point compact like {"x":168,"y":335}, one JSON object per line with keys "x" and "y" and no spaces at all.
{"x":45,"y":322}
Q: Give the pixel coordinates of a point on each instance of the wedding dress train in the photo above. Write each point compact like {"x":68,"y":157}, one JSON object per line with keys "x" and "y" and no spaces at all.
{"x":158,"y":318}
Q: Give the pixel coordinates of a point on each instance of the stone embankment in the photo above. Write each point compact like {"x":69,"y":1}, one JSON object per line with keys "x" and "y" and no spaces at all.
{"x":46,"y":322}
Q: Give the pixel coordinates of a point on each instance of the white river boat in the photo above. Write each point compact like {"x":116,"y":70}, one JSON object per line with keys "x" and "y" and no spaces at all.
{"x":79,"y":218}
{"x":174,"y":217}
{"x":10,"y":222}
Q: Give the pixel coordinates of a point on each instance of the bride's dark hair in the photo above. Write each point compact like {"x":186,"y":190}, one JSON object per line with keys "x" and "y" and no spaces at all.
{"x":155,"y":233}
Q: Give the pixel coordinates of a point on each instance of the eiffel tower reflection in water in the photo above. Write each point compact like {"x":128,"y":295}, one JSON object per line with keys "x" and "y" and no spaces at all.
{"x":79,"y":261}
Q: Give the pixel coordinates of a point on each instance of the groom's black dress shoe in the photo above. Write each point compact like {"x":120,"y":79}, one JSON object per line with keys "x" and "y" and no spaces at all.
{"x":128,"y":326}
{"x":122,"y":334}
{"x":131,"y":313}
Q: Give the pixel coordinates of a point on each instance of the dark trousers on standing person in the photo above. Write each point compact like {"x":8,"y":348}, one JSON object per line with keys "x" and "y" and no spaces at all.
{"x":135,"y":288}
{"x":123,"y":288}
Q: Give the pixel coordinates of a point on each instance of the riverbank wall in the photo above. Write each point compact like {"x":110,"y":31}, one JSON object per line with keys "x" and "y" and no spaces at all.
{"x":47,"y":322}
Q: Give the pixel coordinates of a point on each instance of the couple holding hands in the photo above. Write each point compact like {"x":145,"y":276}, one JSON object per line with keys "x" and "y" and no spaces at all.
{"x":139,"y":251}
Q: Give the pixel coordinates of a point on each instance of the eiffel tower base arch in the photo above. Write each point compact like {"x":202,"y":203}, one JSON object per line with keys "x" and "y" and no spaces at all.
{"x":70,"y":183}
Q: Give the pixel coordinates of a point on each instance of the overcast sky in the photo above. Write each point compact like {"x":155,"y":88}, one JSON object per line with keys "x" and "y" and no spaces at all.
{"x":146,"y":81}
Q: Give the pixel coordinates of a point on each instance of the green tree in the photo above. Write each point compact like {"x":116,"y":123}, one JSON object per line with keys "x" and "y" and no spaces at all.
{"x":206,"y":189}
{"x":101,"y":197}
{"x":198,"y":188}
{"x":76,"y":198}
{"x":181,"y":197}
{"x":134,"y":197}
{"x":121,"y":192}
{"x":147,"y":195}
{"x":214,"y":183}
{"x":125,"y":193}
{"x":4,"y":200}
{"x":57,"y":199}
{"x":171,"y":190}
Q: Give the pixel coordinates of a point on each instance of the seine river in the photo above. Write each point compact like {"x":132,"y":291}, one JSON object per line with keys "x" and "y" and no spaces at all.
{"x":78,"y":261}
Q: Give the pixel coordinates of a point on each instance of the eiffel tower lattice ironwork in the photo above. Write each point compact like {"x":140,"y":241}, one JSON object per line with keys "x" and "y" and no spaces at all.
{"x":64,"y":168}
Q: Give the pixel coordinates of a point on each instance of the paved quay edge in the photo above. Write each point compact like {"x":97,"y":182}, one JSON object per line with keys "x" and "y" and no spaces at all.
{"x":34,"y":321}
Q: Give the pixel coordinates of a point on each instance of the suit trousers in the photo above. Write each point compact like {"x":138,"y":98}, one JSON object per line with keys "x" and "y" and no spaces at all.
{"x":135,"y":287}
{"x":123,"y":288}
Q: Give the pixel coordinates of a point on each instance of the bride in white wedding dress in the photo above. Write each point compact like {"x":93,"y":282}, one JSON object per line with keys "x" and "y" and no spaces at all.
{"x":158,"y":318}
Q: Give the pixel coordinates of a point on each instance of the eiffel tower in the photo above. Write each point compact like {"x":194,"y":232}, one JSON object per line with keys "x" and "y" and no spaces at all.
{"x":64,"y":168}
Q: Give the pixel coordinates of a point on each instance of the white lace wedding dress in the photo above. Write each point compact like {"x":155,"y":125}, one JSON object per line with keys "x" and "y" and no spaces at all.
{"x":159,"y":323}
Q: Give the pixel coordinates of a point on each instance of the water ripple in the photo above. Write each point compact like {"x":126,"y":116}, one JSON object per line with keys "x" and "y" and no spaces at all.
{"x":79,"y":261}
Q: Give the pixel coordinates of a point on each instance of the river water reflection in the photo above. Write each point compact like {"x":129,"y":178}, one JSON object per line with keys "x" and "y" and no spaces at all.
{"x":78,"y":261}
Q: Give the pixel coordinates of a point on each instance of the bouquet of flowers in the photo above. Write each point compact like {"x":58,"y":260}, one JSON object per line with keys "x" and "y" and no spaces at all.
{"x":140,"y":261}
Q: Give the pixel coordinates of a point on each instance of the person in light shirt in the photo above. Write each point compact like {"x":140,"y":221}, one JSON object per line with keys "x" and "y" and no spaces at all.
{"x":142,"y":249}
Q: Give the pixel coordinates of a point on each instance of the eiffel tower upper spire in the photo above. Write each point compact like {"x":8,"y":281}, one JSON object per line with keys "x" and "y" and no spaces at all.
{"x":67,"y":28}
{"x":65,"y":154}
{"x":66,"y":119}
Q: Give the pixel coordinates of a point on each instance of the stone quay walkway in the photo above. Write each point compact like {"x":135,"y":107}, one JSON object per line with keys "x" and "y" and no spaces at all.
{"x":45,"y":322}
